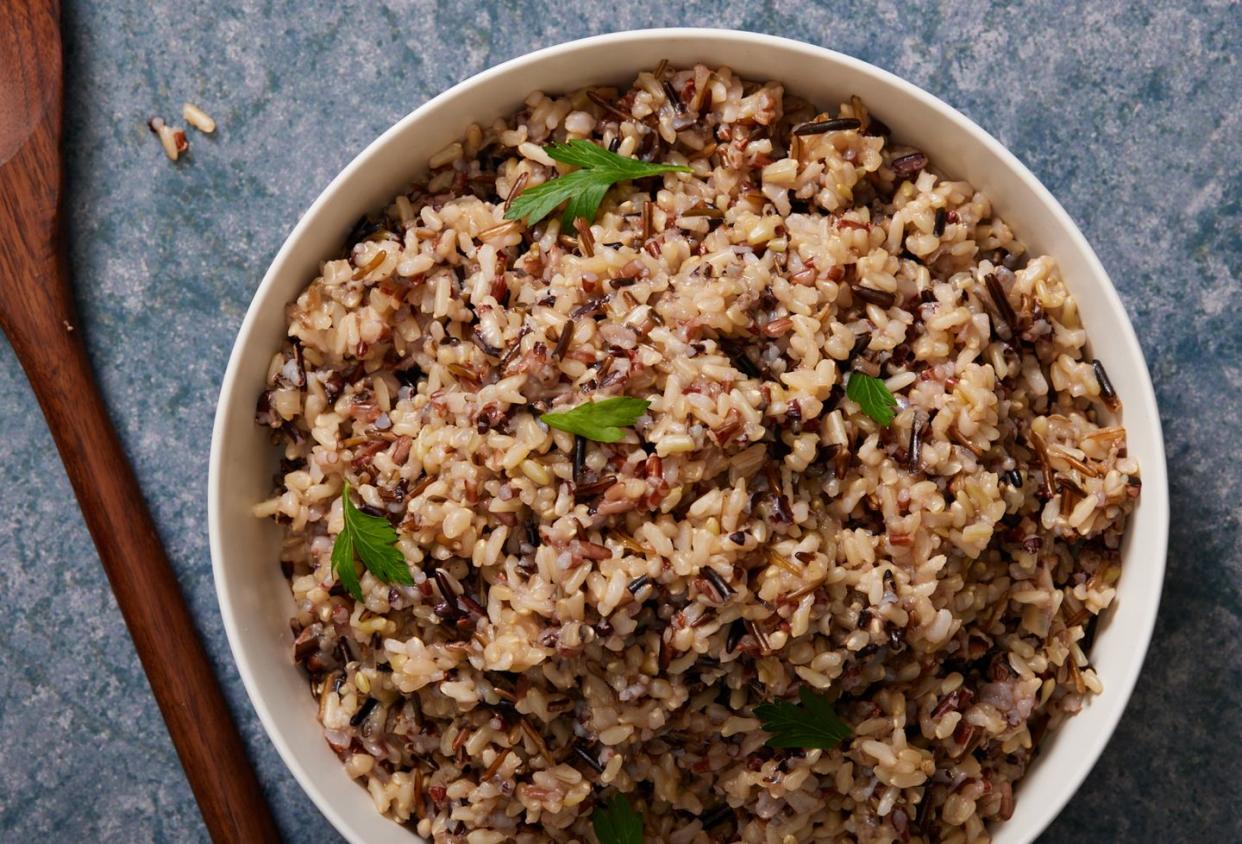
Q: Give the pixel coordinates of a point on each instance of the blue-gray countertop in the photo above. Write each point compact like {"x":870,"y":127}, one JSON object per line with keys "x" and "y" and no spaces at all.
{"x":1129,"y":115}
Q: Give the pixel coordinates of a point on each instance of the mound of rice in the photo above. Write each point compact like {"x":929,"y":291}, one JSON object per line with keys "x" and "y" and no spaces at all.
{"x":593,"y":618}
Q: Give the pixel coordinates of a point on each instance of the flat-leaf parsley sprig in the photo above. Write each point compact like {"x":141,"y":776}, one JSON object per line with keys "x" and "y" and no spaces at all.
{"x":584,"y":188}
{"x":616,"y":822}
{"x":872,"y":395}
{"x":371,"y":539}
{"x":600,"y":421}
{"x":810,"y":723}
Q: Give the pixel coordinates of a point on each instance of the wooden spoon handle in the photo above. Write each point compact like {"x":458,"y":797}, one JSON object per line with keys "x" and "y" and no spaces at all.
{"x":211,"y":750}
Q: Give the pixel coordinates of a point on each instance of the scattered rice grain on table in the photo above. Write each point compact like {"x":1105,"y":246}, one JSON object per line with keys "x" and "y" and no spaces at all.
{"x":199,"y":119}
{"x":172,"y":138}
{"x":567,"y":636}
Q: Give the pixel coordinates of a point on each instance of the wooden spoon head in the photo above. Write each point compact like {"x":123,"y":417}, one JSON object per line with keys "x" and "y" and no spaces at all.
{"x":30,"y":108}
{"x":34,"y":291}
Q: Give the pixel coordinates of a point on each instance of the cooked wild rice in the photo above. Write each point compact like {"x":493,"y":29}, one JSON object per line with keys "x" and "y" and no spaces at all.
{"x":591,"y":618}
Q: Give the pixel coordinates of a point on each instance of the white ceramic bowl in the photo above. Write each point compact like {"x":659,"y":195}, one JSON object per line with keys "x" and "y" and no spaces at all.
{"x":254,"y":597}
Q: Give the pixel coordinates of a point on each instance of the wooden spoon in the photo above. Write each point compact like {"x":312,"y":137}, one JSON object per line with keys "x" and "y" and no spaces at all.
{"x":36,"y":313}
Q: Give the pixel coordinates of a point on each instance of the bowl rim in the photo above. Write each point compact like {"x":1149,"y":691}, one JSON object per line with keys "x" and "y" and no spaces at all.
{"x":1155,"y":487}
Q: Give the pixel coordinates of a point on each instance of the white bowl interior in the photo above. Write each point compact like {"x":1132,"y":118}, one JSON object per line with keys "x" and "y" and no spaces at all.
{"x":254,"y":597}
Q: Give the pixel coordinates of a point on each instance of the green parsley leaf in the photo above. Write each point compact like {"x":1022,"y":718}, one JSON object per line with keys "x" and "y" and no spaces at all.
{"x":601,"y":421}
{"x":812,"y":724}
{"x":583,"y":189}
{"x":343,"y":564}
{"x":615,"y":822}
{"x":373,"y":540}
{"x":872,"y":396}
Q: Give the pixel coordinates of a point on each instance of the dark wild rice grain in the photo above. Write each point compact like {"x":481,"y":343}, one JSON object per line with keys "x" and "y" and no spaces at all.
{"x":636,"y":585}
{"x":598,"y":99}
{"x":914,"y":454}
{"x":1046,"y":483}
{"x":1003,"y":308}
{"x":879,"y":298}
{"x":586,"y":240}
{"x":1107,"y":393}
{"x":562,"y":342}
{"x":488,"y":349}
{"x":589,"y":307}
{"x":587,"y":491}
{"x":517,"y":188}
{"x":907,"y":165}
{"x":580,"y":447}
{"x":588,"y":757}
{"x":513,"y":349}
{"x":836,"y":124}
{"x":717,"y":816}
{"x":366,"y":709}
{"x":447,"y":592}
{"x":718,"y":583}
{"x":674,"y":100}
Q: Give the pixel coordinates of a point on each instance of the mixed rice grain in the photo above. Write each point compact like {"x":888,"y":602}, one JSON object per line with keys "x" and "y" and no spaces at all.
{"x":199,"y":119}
{"x":589,"y":618}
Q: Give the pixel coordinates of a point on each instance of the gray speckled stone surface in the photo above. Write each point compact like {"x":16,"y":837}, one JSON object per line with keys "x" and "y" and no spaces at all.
{"x":1129,"y":115}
